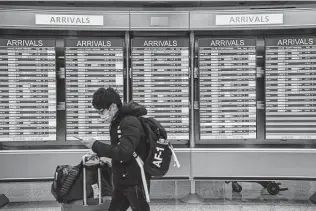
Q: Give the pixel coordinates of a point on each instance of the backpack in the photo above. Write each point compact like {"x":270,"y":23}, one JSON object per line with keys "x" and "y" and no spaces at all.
{"x":160,"y":149}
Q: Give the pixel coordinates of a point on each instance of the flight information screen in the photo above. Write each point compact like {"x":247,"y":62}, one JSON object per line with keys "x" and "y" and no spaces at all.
{"x":27,"y":90}
{"x":291,"y":88}
{"x":90,"y":64}
{"x":227,"y":88}
{"x":160,"y":77}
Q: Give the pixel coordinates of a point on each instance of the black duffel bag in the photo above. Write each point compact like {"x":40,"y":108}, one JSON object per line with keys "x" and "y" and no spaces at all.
{"x":68,"y":182}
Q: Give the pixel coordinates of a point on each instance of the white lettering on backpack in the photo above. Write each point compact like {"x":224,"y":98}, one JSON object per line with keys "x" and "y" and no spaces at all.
{"x":157,"y":157}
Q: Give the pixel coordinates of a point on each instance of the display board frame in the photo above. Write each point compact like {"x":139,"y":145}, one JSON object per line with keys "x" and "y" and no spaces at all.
{"x":117,"y":41}
{"x":259,"y":136}
{"x":60,"y":37}
{"x":260,"y":36}
{"x":284,"y":140}
{"x":171,"y":35}
{"x":36,"y":42}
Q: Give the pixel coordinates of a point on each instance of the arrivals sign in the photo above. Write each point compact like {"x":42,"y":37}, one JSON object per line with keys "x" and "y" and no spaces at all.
{"x":76,"y":20}
{"x":249,"y":19}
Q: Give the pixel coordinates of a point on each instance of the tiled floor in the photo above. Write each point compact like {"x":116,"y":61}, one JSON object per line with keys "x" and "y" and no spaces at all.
{"x":219,"y":196}
{"x":178,"y":206}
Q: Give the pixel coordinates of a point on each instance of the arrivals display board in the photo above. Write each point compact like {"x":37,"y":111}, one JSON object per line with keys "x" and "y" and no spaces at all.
{"x":27,"y":90}
{"x":290,"y":88}
{"x":90,"y":64}
{"x":160,"y":81}
{"x":227,"y":80}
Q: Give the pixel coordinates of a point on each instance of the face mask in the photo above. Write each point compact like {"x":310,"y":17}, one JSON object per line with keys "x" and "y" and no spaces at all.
{"x":107,"y":115}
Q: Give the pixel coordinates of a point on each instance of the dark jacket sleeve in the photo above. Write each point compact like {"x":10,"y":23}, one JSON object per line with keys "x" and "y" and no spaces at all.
{"x":128,"y":142}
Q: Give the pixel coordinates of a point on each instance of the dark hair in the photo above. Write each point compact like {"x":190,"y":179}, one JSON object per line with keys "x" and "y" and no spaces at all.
{"x":103,"y":98}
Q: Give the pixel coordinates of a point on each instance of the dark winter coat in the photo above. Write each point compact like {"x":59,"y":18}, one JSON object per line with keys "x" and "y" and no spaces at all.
{"x":127,"y":135}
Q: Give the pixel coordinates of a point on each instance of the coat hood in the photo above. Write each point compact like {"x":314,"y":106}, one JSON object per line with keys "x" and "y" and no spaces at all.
{"x":133,"y":109}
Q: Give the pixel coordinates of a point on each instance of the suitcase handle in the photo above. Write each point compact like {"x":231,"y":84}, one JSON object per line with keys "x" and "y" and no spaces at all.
{"x":85,"y":162}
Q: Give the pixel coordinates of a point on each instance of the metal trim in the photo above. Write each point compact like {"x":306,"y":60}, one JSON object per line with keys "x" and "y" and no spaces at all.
{"x":160,"y":12}
{"x":267,"y":150}
{"x":29,"y":19}
{"x":190,"y":13}
{"x":246,"y":179}
{"x":193,"y":150}
{"x":49,"y":179}
{"x":147,"y":15}
{"x":44,"y":151}
{"x":64,"y":9}
{"x":26,"y":179}
{"x":243,"y":10}
{"x":286,"y":12}
{"x":128,"y":58}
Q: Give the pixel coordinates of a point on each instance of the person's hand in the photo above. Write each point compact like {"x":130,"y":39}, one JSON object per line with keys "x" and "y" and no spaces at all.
{"x":87,"y":141}
{"x":105,"y":160}
{"x":91,"y":155}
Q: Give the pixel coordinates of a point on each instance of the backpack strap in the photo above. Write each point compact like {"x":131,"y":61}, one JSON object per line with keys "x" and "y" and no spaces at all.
{"x":174,"y":156}
{"x":141,"y":166}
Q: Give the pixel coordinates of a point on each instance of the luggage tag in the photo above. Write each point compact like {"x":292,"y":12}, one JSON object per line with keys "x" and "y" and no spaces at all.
{"x":95,"y":189}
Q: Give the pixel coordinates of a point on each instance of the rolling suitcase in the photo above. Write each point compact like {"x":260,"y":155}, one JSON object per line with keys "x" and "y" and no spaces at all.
{"x":102,"y":204}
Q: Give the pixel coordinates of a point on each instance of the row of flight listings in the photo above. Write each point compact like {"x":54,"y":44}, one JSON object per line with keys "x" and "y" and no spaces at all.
{"x":160,"y":80}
